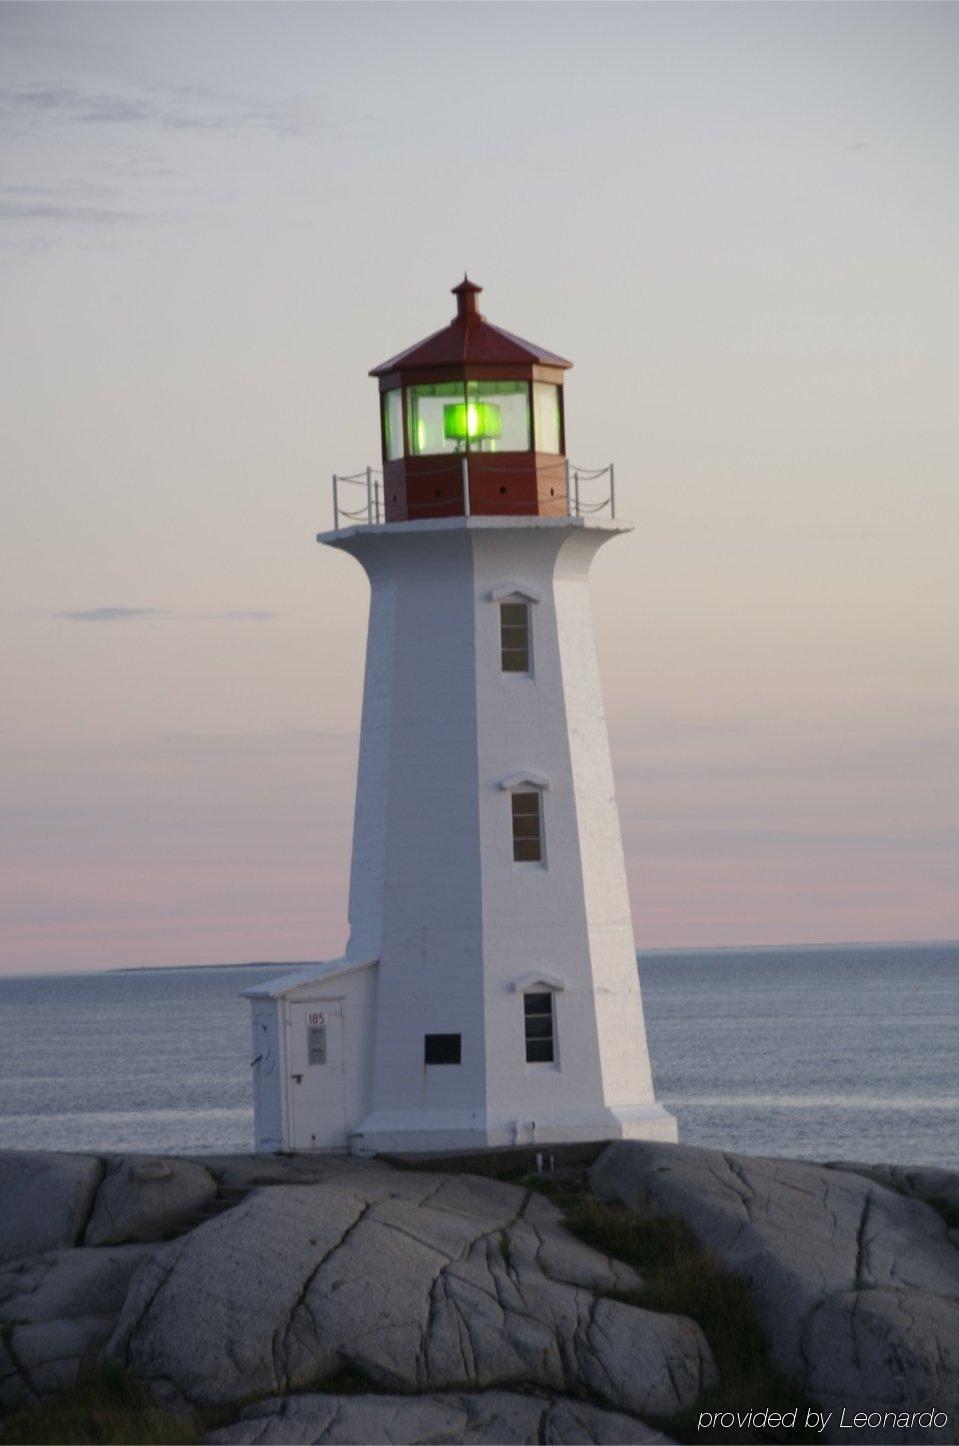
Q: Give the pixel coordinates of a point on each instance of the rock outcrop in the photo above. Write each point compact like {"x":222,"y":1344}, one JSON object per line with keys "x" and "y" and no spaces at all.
{"x":57,"y":1312}
{"x":147,"y":1199}
{"x":45,"y":1200}
{"x":500,"y":1417}
{"x":465,"y":1302}
{"x":422,"y":1283}
{"x":857,"y":1286}
{"x":939,"y":1187}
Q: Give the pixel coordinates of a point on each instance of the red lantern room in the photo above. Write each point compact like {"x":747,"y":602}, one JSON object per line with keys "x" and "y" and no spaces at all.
{"x":472,"y":422}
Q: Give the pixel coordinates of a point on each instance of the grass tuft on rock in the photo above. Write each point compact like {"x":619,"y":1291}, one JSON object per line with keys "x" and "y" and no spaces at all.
{"x":680,"y":1278}
{"x":107,"y":1408}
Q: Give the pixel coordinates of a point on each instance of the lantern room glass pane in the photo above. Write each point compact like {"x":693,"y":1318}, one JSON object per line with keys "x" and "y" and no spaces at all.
{"x":497,"y":416}
{"x":445,"y":417}
{"x":393,"y":424}
{"x":432,"y":410}
{"x":548,"y":428}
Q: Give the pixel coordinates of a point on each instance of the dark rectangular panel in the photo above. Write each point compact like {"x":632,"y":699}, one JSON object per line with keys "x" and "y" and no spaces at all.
{"x":443,"y":1049}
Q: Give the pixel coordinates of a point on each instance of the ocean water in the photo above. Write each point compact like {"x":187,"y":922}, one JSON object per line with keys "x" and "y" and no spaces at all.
{"x":826,"y":1053}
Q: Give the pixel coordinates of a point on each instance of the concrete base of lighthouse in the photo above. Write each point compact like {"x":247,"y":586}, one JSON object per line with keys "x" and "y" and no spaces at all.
{"x":398,"y":1134}
{"x":319,"y":1100}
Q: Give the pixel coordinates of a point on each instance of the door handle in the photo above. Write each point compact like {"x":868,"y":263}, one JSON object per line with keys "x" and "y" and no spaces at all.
{"x":297,"y":1077}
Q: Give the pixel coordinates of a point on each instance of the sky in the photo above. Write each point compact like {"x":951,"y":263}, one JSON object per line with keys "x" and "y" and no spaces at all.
{"x":740,"y":221}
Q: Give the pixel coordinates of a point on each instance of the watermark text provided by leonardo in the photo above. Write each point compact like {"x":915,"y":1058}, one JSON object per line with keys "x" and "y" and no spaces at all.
{"x":820,"y":1421}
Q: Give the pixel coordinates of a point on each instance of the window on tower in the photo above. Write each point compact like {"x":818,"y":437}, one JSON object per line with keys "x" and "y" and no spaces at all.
{"x":538,"y":1026}
{"x":514,"y":637}
{"x":527,"y":812}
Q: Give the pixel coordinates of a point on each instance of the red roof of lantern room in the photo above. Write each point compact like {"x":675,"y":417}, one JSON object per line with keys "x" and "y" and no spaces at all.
{"x":470,"y":338}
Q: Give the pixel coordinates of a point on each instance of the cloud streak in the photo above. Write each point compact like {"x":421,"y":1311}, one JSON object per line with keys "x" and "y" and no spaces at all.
{"x":127,"y":615}
{"x":51,"y":211}
{"x":174,"y":109}
{"x":110,"y":615}
{"x":73,"y":202}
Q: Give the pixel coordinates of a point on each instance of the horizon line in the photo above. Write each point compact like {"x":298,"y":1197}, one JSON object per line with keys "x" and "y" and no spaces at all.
{"x":640,"y":953}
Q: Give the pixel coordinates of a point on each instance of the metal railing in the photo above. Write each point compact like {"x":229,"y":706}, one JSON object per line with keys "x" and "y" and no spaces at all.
{"x":372,"y":509}
{"x":578,"y":494}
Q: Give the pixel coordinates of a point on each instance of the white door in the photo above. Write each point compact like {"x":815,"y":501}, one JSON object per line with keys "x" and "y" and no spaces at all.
{"x":317,"y":1079}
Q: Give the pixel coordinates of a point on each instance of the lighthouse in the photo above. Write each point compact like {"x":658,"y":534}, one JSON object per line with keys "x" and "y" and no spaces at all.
{"x":488,"y":994}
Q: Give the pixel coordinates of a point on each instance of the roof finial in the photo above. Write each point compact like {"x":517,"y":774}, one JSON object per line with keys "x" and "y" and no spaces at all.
{"x":466,"y":294}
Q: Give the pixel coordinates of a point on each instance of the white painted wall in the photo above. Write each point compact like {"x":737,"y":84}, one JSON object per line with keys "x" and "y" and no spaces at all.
{"x":435,"y":893}
{"x":268,"y":1076}
{"x":307,"y":1107}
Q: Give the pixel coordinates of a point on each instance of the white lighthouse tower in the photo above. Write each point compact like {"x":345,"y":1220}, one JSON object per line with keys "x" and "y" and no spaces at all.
{"x":489,"y":992}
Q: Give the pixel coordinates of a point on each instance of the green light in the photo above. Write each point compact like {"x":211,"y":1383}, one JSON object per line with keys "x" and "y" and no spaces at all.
{"x":478,"y":421}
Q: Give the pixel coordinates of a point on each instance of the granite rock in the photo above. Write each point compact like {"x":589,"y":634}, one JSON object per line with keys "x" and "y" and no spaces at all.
{"x":498,"y":1417}
{"x":57,"y":1312}
{"x":45,"y":1200}
{"x":925,"y":1182}
{"x":477,"y":1285}
{"x":243,"y":1172}
{"x":143,"y":1199}
{"x":857,"y":1286}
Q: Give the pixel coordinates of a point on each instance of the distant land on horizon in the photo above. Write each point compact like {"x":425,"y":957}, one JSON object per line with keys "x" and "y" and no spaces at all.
{"x":640,"y":954}
{"x":284,"y":965}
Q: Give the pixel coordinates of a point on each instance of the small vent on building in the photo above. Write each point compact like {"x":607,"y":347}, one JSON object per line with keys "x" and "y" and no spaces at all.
{"x":443,"y":1049}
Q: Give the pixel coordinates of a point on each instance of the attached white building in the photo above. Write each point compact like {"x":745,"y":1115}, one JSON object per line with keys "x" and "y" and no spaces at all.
{"x":489,"y":992}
